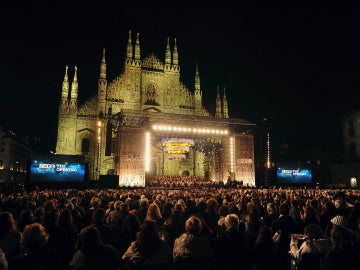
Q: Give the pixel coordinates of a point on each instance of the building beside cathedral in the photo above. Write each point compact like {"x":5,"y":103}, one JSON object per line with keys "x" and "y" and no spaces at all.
{"x":146,"y":123}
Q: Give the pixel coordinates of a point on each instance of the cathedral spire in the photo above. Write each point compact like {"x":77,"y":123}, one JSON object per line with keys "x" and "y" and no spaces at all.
{"x":225,"y":112}
{"x":103,"y":66}
{"x":175,"y":58}
{"x":175,"y":55}
{"x":65,"y":86}
{"x":197,"y":80}
{"x":129,"y":50}
{"x":74,"y":90}
{"x":198,"y":94}
{"x":218,"y":104}
{"x":137,"y":49}
{"x":102,"y":85}
{"x":168,"y":55}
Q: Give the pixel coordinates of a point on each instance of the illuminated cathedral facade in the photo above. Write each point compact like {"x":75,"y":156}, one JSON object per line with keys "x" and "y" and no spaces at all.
{"x":147,"y":123}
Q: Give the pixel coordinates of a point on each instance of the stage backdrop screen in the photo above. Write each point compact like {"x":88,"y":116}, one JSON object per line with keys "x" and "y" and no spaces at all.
{"x":292,"y":173}
{"x":57,"y":168}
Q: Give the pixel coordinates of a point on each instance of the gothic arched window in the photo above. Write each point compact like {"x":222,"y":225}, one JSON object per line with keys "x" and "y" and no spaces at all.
{"x":150,"y":95}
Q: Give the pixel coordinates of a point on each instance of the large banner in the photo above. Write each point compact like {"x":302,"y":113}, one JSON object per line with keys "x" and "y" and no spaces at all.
{"x":132,"y":153}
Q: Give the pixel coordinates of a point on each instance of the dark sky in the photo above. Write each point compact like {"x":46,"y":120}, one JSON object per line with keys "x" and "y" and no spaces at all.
{"x":299,"y":68}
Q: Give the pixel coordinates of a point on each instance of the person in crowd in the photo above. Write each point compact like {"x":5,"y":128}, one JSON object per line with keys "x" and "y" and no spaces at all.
{"x":354,"y":215}
{"x":110,"y":208}
{"x":191,"y":250}
{"x":149,"y":250}
{"x":343,"y":253}
{"x":95,"y":203}
{"x":35,"y":255}
{"x":266,"y":253}
{"x":93,"y":254}
{"x":166,"y":210}
{"x":253,"y":225}
{"x":39,"y":215}
{"x":310,"y":253}
{"x":337,"y":220}
{"x":223,"y":211}
{"x":57,"y":237}
{"x":295,"y":211}
{"x":174,"y":226}
{"x":309,"y":216}
{"x":76,"y":216}
{"x":76,"y":201}
{"x":341,"y":208}
{"x":287,"y":225}
{"x":327,"y":212}
{"x":211,"y":215}
{"x":232,"y":245}
{"x":26,"y":217}
{"x":10,"y":237}
{"x":113,"y":216}
{"x":3,"y":261}
{"x":130,"y":225}
{"x":65,"y":222}
{"x":271,"y":213}
{"x":189,"y":209}
{"x":98,"y":220}
{"x":154,"y":213}
{"x":144,"y":205}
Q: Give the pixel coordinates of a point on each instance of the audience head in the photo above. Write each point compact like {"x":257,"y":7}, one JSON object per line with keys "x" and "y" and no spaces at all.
{"x":7,"y":223}
{"x":193,"y":225}
{"x":99,"y":215}
{"x":34,"y":237}
{"x":342,"y":237}
{"x":284,"y":209}
{"x":313,"y":231}
{"x":90,"y":240}
{"x":270,"y":208}
{"x":232,"y":222}
{"x":148,"y":238}
{"x":339,"y":221}
{"x":153,"y":212}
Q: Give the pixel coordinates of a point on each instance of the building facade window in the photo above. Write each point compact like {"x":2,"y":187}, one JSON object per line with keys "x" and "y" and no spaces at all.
{"x":85,"y":145}
{"x":352,"y":152}
{"x":350,"y":128}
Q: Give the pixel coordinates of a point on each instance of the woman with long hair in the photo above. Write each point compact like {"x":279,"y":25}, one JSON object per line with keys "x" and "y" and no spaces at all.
{"x":10,"y":237}
{"x":343,"y":253}
{"x":35,"y":255}
{"x":92,"y":253}
{"x":148,"y":250}
{"x":266,"y":252}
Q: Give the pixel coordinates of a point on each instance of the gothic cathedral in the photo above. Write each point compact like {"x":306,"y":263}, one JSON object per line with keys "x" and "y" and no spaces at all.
{"x":147,"y":123}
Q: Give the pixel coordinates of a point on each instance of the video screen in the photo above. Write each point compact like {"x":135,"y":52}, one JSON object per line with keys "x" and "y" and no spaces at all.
{"x":64,"y":168}
{"x":292,"y":173}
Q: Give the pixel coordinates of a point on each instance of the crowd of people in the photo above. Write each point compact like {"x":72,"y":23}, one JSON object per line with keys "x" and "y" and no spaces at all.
{"x":215,"y":228}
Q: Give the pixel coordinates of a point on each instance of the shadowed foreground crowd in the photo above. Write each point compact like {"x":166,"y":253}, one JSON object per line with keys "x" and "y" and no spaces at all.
{"x":203,"y":228}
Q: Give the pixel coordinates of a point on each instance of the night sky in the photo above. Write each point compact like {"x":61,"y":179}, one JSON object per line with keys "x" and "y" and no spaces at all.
{"x":298,"y":68}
